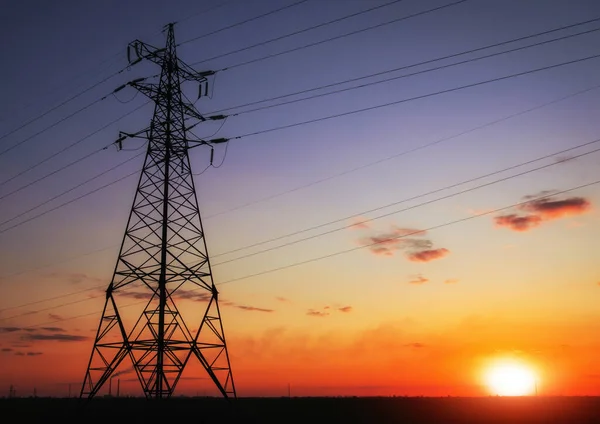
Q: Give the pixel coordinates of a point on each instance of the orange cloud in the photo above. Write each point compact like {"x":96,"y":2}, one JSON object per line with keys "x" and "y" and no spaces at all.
{"x":419,"y":279}
{"x":345,"y":309}
{"x":451,"y":281}
{"x":428,"y":255}
{"x":554,"y":209}
{"x":253,"y":308}
{"x":415,"y":345}
{"x":419,"y":249}
{"x":541,"y":210}
{"x":313,"y":313}
{"x":518,"y":223}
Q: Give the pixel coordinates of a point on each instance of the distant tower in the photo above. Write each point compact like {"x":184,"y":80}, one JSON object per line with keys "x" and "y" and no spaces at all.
{"x":163,"y":253}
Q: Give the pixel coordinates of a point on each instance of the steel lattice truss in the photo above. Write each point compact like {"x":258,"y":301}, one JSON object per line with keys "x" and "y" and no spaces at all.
{"x":163,"y":256}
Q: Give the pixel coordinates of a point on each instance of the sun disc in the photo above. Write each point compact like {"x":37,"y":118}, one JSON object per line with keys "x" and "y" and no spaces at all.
{"x":510,"y":379}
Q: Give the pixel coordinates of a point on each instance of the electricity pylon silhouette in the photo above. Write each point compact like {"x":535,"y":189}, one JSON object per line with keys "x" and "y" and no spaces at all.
{"x":163,"y":255}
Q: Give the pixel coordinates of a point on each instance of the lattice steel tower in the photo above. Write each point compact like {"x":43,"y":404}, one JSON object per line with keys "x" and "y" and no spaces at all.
{"x":163,"y":255}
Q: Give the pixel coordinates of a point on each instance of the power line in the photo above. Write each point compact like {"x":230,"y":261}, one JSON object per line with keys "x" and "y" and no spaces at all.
{"x":406,"y":200}
{"x":56,"y":171}
{"x":270,"y":56}
{"x":18,"y":224}
{"x":331,"y":255}
{"x":49,"y":308}
{"x":341,"y":252}
{"x":272,"y":40}
{"x":51,"y":126}
{"x":70,"y":190}
{"x":64,"y":150}
{"x":37,"y":302}
{"x":297,"y":3}
{"x":56,"y":107}
{"x":58,"y":88}
{"x":423,"y":96}
{"x":21,"y":272}
{"x":401,"y":68}
{"x":424,"y":71}
{"x":403,"y":76}
{"x":405,"y":152}
{"x":357,"y":111}
{"x":427,"y":70}
{"x":107,"y":78}
{"x":65,"y":118}
{"x":554,"y":154}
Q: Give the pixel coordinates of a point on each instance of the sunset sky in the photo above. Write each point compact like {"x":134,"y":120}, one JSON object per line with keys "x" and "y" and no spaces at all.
{"x":406,"y":247}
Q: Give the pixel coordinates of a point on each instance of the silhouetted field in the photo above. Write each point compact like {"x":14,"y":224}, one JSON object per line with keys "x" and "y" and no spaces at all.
{"x":574,"y":410}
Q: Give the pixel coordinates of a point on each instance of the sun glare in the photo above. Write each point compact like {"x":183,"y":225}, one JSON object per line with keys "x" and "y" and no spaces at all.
{"x":510,"y":378}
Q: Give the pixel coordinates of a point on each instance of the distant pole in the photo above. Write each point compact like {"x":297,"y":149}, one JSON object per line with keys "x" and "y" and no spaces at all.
{"x":69,"y":389}
{"x":34,"y":392}
{"x":118,"y":387}
{"x":110,"y":387}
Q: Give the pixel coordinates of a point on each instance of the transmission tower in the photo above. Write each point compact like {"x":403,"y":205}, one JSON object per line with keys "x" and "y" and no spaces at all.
{"x":163,"y":256}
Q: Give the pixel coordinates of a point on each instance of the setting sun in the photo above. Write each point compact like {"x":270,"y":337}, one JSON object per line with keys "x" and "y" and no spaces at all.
{"x":510,"y":379}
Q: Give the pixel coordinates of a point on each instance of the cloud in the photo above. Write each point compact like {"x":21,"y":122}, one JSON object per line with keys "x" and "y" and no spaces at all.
{"x":252,"y":308}
{"x":6,"y":349}
{"x":180,"y":294}
{"x":9,"y":329}
{"x":428,"y":255}
{"x":451,"y":281}
{"x":345,"y":309}
{"x":518,"y":223}
{"x":554,"y":209}
{"x":136,"y":295}
{"x":198,"y":296}
{"x":282,"y":299}
{"x":418,"y":279}
{"x":313,"y":313}
{"x":55,"y":317}
{"x":416,"y":249}
{"x":195,"y":296}
{"x":53,"y":329}
{"x":54,"y":337}
{"x":204,"y":297}
{"x":386,"y":244}
{"x":416,"y":345}
{"x":29,"y":353}
{"x":539,"y":211}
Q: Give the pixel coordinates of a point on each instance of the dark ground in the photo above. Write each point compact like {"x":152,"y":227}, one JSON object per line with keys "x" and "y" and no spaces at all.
{"x":453,"y":410}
